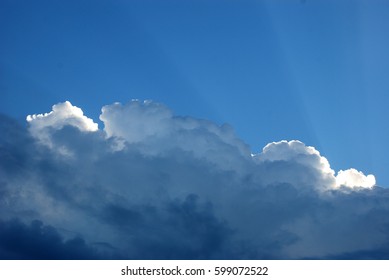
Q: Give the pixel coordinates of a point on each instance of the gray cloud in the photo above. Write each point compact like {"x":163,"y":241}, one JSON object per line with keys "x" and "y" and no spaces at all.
{"x":152,"y":185}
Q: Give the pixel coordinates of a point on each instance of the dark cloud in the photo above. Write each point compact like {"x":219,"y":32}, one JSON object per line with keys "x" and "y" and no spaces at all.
{"x":182,"y":230}
{"x":152,"y":185}
{"x":39,"y":241}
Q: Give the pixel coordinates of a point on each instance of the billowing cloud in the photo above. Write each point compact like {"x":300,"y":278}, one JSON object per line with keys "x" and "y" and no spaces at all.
{"x":353,"y":178}
{"x":62,"y":114}
{"x":152,"y":185}
{"x":154,"y":129}
{"x":307,"y":165}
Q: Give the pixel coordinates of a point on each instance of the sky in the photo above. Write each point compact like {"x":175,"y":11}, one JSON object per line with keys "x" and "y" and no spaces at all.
{"x":146,"y":121}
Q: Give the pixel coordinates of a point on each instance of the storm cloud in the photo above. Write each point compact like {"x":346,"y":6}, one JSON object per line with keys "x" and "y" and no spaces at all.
{"x":153,"y":185}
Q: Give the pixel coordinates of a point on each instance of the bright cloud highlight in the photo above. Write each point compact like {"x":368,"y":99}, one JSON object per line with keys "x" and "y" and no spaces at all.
{"x":62,"y":114}
{"x":353,"y":178}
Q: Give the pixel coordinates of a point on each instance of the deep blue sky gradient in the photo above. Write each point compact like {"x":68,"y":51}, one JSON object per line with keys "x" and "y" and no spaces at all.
{"x":313,"y":70}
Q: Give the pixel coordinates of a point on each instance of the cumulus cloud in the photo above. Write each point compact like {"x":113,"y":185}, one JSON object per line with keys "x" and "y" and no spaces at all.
{"x":62,"y":114}
{"x":353,"y":178}
{"x":307,"y":165}
{"x":154,"y":129}
{"x":313,"y":167}
{"x":153,"y":185}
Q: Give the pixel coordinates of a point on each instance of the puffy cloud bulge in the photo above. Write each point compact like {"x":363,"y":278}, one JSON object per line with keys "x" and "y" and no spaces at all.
{"x":61,"y":115}
{"x":153,"y":185}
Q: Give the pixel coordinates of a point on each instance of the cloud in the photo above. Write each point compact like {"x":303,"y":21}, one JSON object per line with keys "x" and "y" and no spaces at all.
{"x":353,"y":178}
{"x":152,"y":185}
{"x":62,"y":114}
{"x":154,"y":129}
{"x":312,"y":167}
{"x":37,"y":241}
{"x":307,"y":166}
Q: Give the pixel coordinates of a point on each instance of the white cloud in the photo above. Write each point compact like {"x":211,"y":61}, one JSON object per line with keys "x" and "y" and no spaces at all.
{"x":62,"y":114}
{"x":310,"y":168}
{"x":136,"y":121}
{"x":353,"y":178}
{"x":155,"y":130}
{"x":180,"y":187}
{"x":315,"y":170}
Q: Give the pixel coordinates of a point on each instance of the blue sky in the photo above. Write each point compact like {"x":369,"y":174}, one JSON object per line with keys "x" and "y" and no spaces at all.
{"x":165,"y":179}
{"x":308,"y":70}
